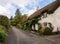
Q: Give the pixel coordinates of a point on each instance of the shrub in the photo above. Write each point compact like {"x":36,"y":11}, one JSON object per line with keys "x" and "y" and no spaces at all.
{"x":19,"y":26}
{"x":45,"y":31}
{"x":4,"y":21}
{"x":28,"y":26}
{"x":24,"y":27}
{"x":12,"y":22}
{"x":2,"y":27}
{"x":3,"y":35}
{"x":39,"y":27}
{"x":41,"y":30}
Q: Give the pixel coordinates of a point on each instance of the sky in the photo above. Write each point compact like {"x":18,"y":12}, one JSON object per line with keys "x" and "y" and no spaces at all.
{"x":8,"y":7}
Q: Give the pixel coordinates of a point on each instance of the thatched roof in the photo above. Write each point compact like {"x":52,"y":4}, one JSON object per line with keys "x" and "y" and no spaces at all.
{"x":49,"y":9}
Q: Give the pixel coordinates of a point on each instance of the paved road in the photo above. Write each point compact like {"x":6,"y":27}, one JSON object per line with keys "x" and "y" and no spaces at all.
{"x":17,"y":36}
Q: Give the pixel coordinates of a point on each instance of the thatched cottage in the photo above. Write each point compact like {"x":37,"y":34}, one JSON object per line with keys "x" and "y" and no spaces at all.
{"x":48,"y":14}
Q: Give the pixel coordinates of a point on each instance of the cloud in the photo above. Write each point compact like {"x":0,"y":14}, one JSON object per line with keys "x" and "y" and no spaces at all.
{"x":31,"y":12}
{"x":24,"y":3}
{"x":8,"y":7}
{"x":11,"y":8}
{"x":4,"y":11}
{"x":7,"y":10}
{"x":21,"y":2}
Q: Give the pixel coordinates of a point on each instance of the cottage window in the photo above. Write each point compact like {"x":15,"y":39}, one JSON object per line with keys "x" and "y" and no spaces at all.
{"x":50,"y":24}
{"x":45,"y":23}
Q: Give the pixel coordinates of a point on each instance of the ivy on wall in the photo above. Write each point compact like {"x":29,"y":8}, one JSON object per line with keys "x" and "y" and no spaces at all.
{"x":29,"y":23}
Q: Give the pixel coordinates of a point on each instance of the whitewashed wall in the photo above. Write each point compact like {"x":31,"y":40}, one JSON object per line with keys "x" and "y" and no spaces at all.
{"x":32,"y":27}
{"x":36,"y":26}
{"x":53,"y":18}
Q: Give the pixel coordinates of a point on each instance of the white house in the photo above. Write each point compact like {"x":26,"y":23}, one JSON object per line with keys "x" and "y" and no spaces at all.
{"x":50,"y":14}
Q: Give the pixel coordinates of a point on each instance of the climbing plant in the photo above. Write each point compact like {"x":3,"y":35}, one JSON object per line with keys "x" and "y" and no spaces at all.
{"x":29,"y":23}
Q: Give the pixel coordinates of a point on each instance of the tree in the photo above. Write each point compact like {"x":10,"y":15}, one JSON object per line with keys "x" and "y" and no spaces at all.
{"x":17,"y":17}
{"x":4,"y":21}
{"x":12,"y":21}
{"x":11,"y":18}
{"x":24,"y":18}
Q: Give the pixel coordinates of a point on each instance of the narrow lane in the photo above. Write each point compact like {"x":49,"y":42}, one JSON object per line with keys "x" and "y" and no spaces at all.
{"x":12,"y":38}
{"x":21,"y":37}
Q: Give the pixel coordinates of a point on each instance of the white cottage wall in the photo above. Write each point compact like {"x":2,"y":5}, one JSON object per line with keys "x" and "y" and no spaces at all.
{"x":36,"y":26}
{"x":32,"y":27}
{"x":53,"y":18}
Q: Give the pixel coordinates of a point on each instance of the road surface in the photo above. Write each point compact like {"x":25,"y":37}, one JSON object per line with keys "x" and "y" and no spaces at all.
{"x":17,"y":36}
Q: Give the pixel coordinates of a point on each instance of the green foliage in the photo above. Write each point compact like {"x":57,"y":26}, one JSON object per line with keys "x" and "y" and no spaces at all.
{"x":3,"y":35}
{"x":28,"y":24}
{"x":4,"y":21}
{"x":41,"y":30}
{"x":11,"y":18}
{"x":17,"y":12}
{"x":24,"y":18}
{"x":12,"y":22}
{"x":18,"y":17}
{"x":24,"y":27}
{"x":2,"y":27}
{"x":39,"y":27}
{"x":19,"y":26}
{"x":27,"y":27}
{"x":45,"y":31}
{"x":33,"y":21}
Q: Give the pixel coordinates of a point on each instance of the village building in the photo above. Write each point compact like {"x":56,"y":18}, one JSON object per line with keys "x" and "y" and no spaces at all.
{"x":48,"y":15}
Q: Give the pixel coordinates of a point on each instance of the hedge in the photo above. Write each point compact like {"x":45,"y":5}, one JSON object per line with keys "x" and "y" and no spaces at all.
{"x":3,"y":35}
{"x":4,"y":21}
